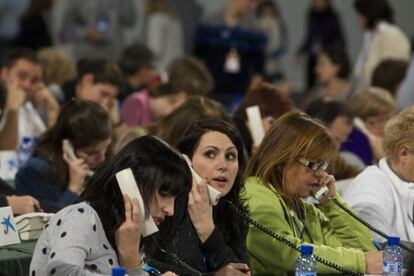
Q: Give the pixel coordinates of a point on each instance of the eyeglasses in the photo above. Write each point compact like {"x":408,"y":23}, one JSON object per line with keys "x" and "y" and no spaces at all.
{"x":314,"y":165}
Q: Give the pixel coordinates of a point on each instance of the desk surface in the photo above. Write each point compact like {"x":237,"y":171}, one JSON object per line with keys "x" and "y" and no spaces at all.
{"x":15,"y":259}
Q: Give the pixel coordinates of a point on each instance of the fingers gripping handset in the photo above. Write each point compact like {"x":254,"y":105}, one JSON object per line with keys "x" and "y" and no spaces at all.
{"x":321,"y":193}
{"x":213,"y":194}
{"x":128,"y":186}
{"x":70,"y":151}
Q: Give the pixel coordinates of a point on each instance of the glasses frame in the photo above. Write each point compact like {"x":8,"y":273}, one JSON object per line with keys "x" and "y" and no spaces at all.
{"x":314,"y":165}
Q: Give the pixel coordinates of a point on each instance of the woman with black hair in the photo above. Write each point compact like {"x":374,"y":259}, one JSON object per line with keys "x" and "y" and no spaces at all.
{"x":382,"y":39}
{"x":210,"y":239}
{"x":51,"y":175}
{"x":103,"y":231}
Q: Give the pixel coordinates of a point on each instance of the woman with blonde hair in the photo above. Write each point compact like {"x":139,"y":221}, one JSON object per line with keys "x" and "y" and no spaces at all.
{"x":290,"y":165}
{"x":384,"y":194}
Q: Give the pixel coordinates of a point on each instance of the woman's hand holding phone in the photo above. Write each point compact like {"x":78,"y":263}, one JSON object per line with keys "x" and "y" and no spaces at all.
{"x":201,"y":210}
{"x":328,"y":181}
{"x":78,"y":171}
{"x":128,"y":235}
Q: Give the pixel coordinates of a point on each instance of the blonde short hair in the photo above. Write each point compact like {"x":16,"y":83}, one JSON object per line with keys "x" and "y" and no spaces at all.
{"x":399,"y":131}
{"x":58,"y":66}
{"x":372,"y":102}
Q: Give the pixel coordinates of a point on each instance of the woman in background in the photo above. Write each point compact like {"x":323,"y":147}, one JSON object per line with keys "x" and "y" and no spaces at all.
{"x":51,"y":175}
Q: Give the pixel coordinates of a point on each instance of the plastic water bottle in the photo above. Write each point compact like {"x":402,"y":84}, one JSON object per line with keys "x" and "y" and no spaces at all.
{"x":24,"y":150}
{"x":306,"y":263}
{"x":393,"y":257}
{"x":118,"y":271}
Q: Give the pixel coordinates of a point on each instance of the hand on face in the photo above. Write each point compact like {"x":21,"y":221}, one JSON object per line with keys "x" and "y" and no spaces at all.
{"x":44,"y":99}
{"x":15,"y":97}
{"x":329,"y":181}
{"x":200,"y":210}
{"x":128,"y":235}
{"x":78,"y":170}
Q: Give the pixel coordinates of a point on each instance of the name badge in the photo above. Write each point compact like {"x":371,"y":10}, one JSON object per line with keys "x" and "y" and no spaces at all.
{"x":232,"y":62}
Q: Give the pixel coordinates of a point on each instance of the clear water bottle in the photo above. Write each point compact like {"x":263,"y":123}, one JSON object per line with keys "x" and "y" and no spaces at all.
{"x":393,"y":257}
{"x":24,"y":150}
{"x":118,"y":271}
{"x":306,"y":263}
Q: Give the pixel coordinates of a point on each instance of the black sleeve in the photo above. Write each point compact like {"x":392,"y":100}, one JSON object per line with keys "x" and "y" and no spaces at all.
{"x":3,"y":201}
{"x":217,"y":252}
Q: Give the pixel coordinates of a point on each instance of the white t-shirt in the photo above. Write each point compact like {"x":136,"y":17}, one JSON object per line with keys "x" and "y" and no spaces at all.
{"x":29,"y":122}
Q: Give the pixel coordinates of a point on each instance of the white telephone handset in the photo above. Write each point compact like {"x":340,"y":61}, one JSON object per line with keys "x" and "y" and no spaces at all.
{"x":128,"y":186}
{"x":213,"y":194}
{"x":255,"y":123}
{"x":68,"y":148}
{"x":319,"y":194}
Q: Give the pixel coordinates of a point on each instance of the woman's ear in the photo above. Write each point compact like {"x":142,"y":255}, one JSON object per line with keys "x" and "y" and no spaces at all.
{"x":402,"y":153}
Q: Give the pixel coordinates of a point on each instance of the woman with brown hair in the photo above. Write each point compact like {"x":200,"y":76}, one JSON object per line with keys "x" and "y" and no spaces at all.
{"x":290,"y":165}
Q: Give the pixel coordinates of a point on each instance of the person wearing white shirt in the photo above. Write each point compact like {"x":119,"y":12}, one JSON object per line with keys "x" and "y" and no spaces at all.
{"x":23,"y":92}
{"x":383,"y":194}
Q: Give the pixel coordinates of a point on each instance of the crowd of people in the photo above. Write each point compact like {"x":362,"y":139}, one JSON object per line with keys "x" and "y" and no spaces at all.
{"x":184,"y":90}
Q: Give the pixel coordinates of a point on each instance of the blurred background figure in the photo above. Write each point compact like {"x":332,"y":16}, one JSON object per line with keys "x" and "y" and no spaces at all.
{"x":332,"y":70}
{"x":138,"y":66}
{"x":389,"y":74}
{"x":323,"y":30}
{"x":58,"y":68}
{"x":382,"y":39}
{"x":34,"y":32}
{"x":186,"y":76}
{"x":270,"y":20}
{"x":272,"y":102}
{"x":92,"y":28}
{"x":232,"y":45}
{"x":371,"y":109}
{"x":51,"y":175}
{"x":10,"y":13}
{"x":163,"y":32}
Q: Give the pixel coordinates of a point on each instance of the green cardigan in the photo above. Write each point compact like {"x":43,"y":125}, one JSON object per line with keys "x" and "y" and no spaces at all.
{"x":335,"y":236}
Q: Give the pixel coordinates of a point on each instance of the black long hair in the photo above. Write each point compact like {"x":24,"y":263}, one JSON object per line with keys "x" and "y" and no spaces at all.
{"x":229,"y":222}
{"x":156,"y":167}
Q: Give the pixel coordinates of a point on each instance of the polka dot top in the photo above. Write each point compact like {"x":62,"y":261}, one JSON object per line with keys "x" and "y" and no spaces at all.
{"x":74,"y":243}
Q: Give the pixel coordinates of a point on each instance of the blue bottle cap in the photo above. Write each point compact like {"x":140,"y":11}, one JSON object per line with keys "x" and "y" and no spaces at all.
{"x":118,"y":271}
{"x":393,"y":240}
{"x":26,"y":139}
{"x":306,"y":249}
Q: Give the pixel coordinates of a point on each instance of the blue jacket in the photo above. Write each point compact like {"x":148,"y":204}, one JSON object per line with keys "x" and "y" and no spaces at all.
{"x":35,"y":178}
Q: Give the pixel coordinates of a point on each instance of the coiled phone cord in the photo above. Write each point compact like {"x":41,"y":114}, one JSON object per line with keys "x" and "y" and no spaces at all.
{"x":284,"y":240}
{"x":369,"y":226}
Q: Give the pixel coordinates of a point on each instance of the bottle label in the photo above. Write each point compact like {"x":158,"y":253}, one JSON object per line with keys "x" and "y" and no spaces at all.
{"x":392,"y":267}
{"x":304,"y":273}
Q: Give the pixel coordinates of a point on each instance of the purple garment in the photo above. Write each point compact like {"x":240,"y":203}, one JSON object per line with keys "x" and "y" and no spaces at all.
{"x":358,"y":144}
{"x":136,"y":109}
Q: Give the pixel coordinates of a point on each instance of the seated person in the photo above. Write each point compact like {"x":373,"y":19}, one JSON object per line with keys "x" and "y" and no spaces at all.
{"x":371,"y":109}
{"x":104,"y":230}
{"x":174,"y":124}
{"x":290,"y":165}
{"x":50,"y":175}
{"x":186,"y":76}
{"x":383,"y":195}
{"x":272,"y":101}
{"x":210,"y":239}
{"x":389,"y":74}
{"x":23,"y":95}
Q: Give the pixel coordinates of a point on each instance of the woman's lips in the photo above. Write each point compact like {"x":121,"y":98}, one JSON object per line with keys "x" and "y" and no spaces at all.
{"x":220,"y":181}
